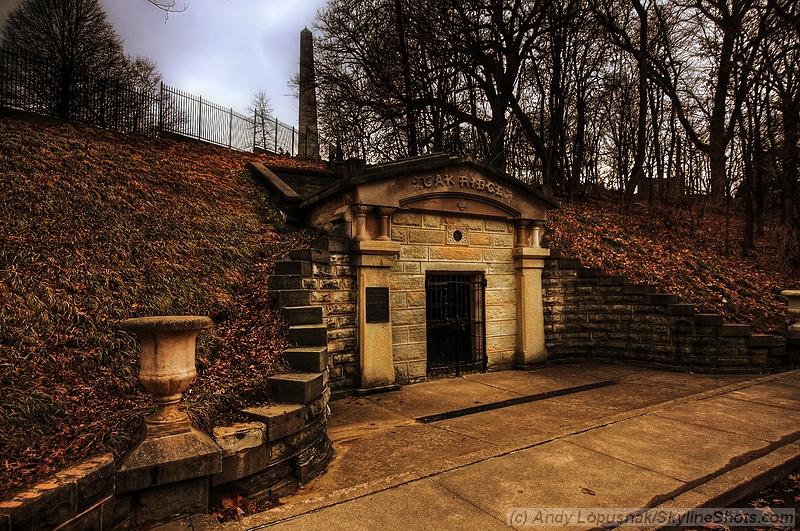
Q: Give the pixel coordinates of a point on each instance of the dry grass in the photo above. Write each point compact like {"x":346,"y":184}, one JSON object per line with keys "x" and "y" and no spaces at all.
{"x":96,"y":227}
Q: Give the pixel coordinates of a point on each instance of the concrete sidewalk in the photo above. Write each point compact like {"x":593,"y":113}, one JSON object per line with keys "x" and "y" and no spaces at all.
{"x":652,"y":438}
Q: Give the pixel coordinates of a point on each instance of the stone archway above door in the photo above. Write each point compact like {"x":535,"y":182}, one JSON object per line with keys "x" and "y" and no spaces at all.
{"x":440,"y":184}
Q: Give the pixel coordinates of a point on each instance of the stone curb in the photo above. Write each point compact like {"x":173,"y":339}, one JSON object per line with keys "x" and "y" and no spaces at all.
{"x":286,"y":512}
{"x":736,"y":484}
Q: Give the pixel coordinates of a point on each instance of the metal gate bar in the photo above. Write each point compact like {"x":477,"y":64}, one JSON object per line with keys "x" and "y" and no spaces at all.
{"x":455,"y":312}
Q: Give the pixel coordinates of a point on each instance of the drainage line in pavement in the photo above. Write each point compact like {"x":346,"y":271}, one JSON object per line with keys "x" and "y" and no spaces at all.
{"x":513,"y":402}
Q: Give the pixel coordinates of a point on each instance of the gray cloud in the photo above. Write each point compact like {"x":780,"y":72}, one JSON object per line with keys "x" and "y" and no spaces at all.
{"x":225,"y":50}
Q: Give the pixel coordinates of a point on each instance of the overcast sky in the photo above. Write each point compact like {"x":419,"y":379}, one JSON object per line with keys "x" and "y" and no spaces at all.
{"x":224,"y":50}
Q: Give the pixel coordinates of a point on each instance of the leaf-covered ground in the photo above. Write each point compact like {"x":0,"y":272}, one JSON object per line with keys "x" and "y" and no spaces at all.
{"x":692,"y":252}
{"x":784,"y":494}
{"x":96,"y":227}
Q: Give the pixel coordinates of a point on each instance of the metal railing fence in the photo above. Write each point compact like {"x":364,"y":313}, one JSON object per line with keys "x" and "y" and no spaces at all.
{"x":28,"y":84}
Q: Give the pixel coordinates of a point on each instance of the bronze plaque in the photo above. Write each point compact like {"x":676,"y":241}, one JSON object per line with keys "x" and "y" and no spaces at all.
{"x":377,"y":305}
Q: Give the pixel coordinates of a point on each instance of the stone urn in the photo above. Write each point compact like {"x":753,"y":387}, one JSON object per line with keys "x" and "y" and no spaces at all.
{"x":167,"y":366}
{"x":172,"y":451}
{"x":793,"y":337}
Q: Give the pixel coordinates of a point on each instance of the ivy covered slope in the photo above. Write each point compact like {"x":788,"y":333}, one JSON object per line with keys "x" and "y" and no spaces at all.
{"x":96,"y":227}
{"x":690,"y":250}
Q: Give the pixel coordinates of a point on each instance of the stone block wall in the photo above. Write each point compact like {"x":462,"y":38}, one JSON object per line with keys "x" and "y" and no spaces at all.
{"x":81,"y":496}
{"x":427,"y":244}
{"x":593,"y":316}
{"x":335,"y":290}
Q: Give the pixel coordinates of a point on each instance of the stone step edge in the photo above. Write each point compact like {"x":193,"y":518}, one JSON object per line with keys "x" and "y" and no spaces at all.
{"x":296,"y":387}
{"x":318,"y":317}
{"x":737,"y":483}
{"x":308,"y":335}
{"x":306,"y":359}
{"x":310,"y":254}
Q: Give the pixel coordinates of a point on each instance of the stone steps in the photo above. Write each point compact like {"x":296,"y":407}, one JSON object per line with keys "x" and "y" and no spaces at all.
{"x":282,"y":282}
{"x":294,"y":267}
{"x":285,"y":439}
{"x":307,"y":359}
{"x":309,"y":335}
{"x":303,"y":315}
{"x":296,"y":387}
{"x":610,"y":317}
{"x":335,"y":245}
{"x":306,"y":330}
{"x":294,"y":297}
{"x":317,"y":256}
{"x":279,"y":419}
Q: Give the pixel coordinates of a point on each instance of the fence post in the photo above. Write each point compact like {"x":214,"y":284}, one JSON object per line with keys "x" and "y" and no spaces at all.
{"x":292,"y":150}
{"x":118,"y":111}
{"x":161,"y":110}
{"x":200,"y":120}
{"x":230,"y":128}
{"x":255,"y":125}
{"x":276,"y":134}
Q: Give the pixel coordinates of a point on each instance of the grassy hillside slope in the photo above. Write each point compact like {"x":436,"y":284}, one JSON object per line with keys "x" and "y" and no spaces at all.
{"x":96,"y":227}
{"x":693,"y":253}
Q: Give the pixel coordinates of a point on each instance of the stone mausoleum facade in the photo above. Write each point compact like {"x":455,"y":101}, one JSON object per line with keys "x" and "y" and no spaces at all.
{"x":432,"y":266}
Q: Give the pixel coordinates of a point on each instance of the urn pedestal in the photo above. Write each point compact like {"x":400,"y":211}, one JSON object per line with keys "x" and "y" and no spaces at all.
{"x":173,"y":453}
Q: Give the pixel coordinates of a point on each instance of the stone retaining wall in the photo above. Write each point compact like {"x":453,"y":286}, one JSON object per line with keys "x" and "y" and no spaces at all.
{"x":593,"y":316}
{"x":284,"y":446}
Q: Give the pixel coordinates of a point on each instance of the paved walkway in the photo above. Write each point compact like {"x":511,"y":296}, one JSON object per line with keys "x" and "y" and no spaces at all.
{"x":652,"y":438}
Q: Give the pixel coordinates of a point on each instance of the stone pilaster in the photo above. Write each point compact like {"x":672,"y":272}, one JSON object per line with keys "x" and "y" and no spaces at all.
{"x":359,"y":224}
{"x":528,"y":264}
{"x":373,"y":260}
{"x":384,"y":225}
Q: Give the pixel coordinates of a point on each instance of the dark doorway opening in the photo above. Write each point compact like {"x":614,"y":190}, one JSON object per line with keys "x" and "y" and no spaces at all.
{"x":455,"y":313}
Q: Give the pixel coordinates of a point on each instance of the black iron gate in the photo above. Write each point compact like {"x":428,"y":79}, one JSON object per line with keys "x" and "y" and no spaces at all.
{"x":455,"y":323}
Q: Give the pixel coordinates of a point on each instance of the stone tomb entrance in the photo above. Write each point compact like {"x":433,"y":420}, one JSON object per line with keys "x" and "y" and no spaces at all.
{"x":454,"y":323}
{"x":445,"y":268}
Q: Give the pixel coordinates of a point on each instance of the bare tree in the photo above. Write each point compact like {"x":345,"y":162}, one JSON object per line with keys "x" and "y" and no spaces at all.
{"x":169,"y":6}
{"x":72,"y":41}
{"x":678,"y":99}
{"x":717,"y":35}
{"x":262,"y":109}
{"x":141,"y":89}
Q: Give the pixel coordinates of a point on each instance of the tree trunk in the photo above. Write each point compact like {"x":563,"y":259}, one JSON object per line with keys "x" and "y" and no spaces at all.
{"x":641,"y":128}
{"x":717,"y":140}
{"x":580,"y":145}
{"x":411,"y":119}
